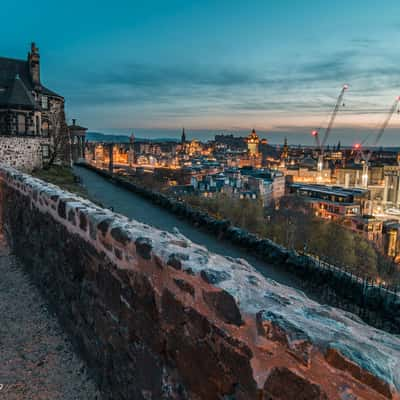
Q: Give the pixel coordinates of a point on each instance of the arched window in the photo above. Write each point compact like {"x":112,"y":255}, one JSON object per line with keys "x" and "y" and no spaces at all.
{"x":45,"y":128}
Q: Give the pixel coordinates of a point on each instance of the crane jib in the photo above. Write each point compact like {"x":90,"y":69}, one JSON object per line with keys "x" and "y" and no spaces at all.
{"x":386,"y":122}
{"x":333,"y":116}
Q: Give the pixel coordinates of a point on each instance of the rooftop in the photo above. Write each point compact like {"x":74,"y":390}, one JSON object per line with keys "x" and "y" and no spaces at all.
{"x":10,"y":71}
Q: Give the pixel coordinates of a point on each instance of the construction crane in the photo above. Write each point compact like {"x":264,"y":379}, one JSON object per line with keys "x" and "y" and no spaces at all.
{"x":366,"y":155}
{"x":321,"y":144}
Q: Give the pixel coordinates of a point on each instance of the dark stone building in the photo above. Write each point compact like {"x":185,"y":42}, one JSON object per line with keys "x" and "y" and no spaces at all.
{"x":31,"y":115}
{"x":25,"y":104}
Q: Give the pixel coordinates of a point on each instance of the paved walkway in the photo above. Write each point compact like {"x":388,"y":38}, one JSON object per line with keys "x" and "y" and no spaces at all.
{"x":36,"y":358}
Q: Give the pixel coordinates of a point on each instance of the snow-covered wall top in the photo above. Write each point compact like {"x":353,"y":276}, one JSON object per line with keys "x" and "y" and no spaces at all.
{"x":283,"y":328}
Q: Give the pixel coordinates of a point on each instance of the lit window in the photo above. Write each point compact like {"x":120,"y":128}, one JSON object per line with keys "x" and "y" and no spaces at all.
{"x":45,"y":102}
{"x":45,"y":151}
{"x":45,"y":128}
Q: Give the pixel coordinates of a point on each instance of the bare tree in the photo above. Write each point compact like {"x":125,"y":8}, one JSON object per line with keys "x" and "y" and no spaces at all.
{"x":60,"y":141}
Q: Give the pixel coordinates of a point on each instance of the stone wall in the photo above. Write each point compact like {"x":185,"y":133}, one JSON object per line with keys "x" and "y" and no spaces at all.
{"x":378,"y":305}
{"x":22,"y":152}
{"x":159,"y":317}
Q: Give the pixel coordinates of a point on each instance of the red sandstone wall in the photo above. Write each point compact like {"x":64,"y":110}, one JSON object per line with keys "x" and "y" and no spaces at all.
{"x":149,"y":323}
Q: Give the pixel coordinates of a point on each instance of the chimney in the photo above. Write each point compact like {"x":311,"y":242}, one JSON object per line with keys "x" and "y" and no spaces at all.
{"x":34,"y":64}
{"x":73,"y":121}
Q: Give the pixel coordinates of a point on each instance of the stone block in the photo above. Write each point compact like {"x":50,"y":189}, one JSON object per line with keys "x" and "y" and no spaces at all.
{"x":224,"y":305}
{"x":144,"y":247}
{"x":284,"y":384}
{"x":120,"y":235}
{"x":185,"y":286}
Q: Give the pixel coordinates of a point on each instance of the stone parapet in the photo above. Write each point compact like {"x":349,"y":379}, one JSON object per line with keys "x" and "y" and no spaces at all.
{"x":375,"y":304}
{"x":159,"y":317}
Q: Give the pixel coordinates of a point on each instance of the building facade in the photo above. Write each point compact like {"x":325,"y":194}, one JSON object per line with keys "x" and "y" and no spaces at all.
{"x":30,"y":111}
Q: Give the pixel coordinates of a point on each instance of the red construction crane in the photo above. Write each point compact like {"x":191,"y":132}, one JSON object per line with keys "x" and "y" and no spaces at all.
{"x":321,"y":144}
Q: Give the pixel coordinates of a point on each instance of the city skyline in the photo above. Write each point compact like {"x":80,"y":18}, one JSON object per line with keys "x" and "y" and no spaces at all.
{"x":217,"y":66}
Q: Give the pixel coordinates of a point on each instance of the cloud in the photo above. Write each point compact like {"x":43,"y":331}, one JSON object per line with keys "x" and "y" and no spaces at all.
{"x":156,"y":76}
{"x":363,"y":42}
{"x":305,"y":88}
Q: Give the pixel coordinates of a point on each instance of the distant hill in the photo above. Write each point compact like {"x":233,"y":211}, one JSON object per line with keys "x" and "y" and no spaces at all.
{"x":104,"y":137}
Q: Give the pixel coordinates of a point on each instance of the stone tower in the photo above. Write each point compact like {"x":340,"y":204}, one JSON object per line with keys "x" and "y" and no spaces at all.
{"x":34,"y":65}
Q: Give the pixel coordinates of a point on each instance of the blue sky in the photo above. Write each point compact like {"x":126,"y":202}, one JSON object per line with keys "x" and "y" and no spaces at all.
{"x":273,"y":65}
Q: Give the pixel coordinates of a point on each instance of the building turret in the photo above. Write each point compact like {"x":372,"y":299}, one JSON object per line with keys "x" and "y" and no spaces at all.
{"x":34,"y":65}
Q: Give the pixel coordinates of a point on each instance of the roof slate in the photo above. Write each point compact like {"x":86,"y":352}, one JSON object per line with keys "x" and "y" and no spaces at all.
{"x":19,"y":93}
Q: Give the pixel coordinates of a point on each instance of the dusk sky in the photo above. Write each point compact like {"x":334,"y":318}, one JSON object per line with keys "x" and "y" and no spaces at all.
{"x":277,"y":66}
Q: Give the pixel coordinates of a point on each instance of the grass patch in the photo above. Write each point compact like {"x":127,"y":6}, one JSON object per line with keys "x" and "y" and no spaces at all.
{"x":63,"y":177}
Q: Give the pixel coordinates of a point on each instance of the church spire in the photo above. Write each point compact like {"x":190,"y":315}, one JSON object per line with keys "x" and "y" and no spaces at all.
{"x":183,"y":139}
{"x":285,"y":151}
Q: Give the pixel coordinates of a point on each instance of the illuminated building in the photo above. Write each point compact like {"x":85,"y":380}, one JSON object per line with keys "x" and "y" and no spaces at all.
{"x":391,"y":238}
{"x":253,"y":142}
{"x":131,"y":153}
{"x":391,"y":193}
{"x":332,"y":203}
{"x":194,"y":148}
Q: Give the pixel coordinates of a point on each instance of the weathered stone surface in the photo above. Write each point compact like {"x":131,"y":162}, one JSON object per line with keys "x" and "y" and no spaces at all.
{"x":118,"y":253}
{"x":195,"y":356}
{"x":22,"y":152}
{"x":82,"y":221}
{"x":185,"y":286}
{"x":224,"y":305}
{"x":175,"y":260}
{"x":120,"y":235}
{"x":146,"y":336}
{"x":213,"y":276}
{"x":62,"y":208}
{"x":104,"y":225}
{"x":276,"y":328}
{"x":144,"y":247}
{"x":71,"y":216}
{"x":284,"y":384}
{"x":337,"y":360}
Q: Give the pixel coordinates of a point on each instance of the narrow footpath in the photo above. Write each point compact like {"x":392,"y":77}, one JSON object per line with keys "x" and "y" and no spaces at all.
{"x":134,"y":206}
{"x":37,"y":361}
